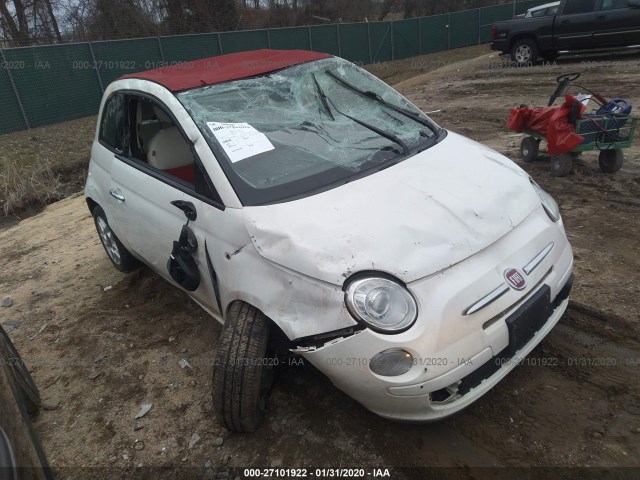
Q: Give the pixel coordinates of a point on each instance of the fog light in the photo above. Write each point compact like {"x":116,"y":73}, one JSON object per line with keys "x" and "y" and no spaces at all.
{"x":391,"y":363}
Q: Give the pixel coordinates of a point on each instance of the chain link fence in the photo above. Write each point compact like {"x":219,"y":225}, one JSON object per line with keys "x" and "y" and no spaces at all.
{"x":43,"y":85}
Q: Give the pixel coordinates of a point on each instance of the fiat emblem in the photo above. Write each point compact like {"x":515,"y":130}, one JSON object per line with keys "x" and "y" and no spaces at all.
{"x":515,"y":279}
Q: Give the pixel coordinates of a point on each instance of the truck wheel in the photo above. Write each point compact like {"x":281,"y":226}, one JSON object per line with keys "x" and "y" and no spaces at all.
{"x":242,"y":374}
{"x":27,"y":386}
{"x":611,"y":160}
{"x":529,"y":149}
{"x":524,"y":52}
{"x":561,"y":165}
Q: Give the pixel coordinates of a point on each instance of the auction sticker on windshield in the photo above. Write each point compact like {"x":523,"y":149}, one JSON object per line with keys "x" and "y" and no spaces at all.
{"x":240,"y":140}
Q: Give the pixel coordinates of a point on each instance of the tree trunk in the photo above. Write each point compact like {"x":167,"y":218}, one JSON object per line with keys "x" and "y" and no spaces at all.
{"x":54,"y":22}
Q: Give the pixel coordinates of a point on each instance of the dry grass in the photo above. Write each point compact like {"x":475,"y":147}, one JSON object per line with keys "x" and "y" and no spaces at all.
{"x":42,"y":165}
{"x":21,"y":190}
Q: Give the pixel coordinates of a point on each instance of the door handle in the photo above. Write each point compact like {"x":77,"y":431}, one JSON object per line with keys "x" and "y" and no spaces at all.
{"x":602,"y":17}
{"x":565,"y":21}
{"x":115,"y":194}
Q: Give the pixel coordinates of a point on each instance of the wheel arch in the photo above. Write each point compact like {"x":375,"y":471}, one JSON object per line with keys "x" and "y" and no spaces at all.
{"x":522,"y":36}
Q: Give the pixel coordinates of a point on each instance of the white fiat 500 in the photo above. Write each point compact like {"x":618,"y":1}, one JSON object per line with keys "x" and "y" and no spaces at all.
{"x":314,"y":211}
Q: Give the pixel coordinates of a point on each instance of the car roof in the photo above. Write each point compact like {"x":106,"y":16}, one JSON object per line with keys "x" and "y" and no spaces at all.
{"x":224,"y":68}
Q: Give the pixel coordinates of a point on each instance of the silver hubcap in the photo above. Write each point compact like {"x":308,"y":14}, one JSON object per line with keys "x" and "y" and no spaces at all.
{"x":523,"y":54}
{"x":108,"y":240}
{"x":525,"y":151}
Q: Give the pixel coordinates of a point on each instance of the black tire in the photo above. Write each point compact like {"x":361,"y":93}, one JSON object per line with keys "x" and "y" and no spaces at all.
{"x":28,"y":388}
{"x":561,"y":165}
{"x":550,"y":56}
{"x":611,"y":160}
{"x":242,"y":375}
{"x":529,"y":149}
{"x":524,"y":52}
{"x":117,"y":253}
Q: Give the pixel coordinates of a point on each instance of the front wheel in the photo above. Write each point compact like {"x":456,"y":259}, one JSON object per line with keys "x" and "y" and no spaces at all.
{"x":524,"y":52}
{"x":117,"y":253}
{"x":611,"y":160}
{"x":242,"y":374}
{"x":561,"y":165}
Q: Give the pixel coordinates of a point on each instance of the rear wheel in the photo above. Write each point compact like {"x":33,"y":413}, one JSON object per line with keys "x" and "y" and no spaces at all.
{"x":243,"y":373}
{"x":27,"y":386}
{"x":524,"y":52}
{"x":561,"y":165}
{"x":611,"y":160}
{"x":529,"y":149}
{"x":117,"y":253}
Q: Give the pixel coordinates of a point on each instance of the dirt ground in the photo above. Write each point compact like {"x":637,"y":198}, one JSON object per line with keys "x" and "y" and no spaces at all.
{"x":100,"y":343}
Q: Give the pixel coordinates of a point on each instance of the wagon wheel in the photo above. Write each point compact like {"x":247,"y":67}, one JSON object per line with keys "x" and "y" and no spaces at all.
{"x":529,"y":149}
{"x":611,"y":160}
{"x":561,"y":165}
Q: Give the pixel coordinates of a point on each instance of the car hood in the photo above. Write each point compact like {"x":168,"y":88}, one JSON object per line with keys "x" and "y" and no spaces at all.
{"x":411,"y":220}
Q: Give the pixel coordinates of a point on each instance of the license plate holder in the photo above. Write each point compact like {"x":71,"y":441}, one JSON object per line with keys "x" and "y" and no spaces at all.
{"x":528,"y":319}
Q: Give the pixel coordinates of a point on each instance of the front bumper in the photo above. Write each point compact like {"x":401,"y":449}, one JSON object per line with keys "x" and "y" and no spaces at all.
{"x":458,"y":356}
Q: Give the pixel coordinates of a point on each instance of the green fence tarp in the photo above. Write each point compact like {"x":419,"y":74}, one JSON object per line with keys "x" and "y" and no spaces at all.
{"x":464,"y":27}
{"x":406,"y":38}
{"x":435,"y":33}
{"x":11,"y":118}
{"x":118,"y":57}
{"x":295,"y":38}
{"x":57,"y":84}
{"x":233,"y":42}
{"x":354,"y":42}
{"x":324,"y":38}
{"x":381,"y":45}
{"x":184,"y":48}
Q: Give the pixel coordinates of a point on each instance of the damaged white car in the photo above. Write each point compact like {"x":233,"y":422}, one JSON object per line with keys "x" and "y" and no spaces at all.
{"x":311,"y":208}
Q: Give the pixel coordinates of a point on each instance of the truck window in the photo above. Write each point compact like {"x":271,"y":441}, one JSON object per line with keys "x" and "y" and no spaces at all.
{"x":578,"y":6}
{"x":613,"y":4}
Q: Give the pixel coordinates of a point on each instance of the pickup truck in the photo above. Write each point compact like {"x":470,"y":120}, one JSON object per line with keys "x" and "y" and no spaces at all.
{"x":578,"y":25}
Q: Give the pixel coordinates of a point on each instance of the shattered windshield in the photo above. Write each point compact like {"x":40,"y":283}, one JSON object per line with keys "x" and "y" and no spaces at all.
{"x":303,"y":129}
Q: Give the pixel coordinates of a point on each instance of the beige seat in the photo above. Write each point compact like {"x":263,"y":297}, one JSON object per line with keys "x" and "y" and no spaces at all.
{"x":168,"y":149}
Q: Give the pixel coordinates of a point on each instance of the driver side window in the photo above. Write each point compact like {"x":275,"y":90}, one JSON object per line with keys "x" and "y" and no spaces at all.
{"x":578,"y":6}
{"x":158,"y":142}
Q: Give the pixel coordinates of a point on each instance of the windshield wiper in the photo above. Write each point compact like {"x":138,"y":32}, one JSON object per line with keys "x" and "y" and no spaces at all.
{"x":389,"y":136}
{"x":323,"y":96}
{"x":374,"y":96}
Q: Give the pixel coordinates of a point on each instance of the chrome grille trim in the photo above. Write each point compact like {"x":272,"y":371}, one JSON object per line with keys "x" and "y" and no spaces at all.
{"x":490,"y":298}
{"x":533,"y":264}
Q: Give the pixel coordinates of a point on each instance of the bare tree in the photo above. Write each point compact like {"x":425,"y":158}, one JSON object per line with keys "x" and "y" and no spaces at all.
{"x":17,"y":27}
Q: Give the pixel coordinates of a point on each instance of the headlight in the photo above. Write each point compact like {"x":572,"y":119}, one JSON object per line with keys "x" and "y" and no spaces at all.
{"x":382,"y":304}
{"x":548,"y":203}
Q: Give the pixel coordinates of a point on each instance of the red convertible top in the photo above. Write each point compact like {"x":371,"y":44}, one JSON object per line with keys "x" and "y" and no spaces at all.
{"x":224,"y":68}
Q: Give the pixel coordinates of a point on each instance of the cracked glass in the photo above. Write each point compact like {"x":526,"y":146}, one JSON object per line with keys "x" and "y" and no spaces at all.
{"x":307,"y":128}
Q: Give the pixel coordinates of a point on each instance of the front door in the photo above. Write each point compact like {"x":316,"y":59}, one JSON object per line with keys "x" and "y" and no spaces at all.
{"x":574,"y":27}
{"x":154,"y":185}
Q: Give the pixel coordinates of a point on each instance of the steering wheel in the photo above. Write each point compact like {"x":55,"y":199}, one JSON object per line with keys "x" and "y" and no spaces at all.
{"x":568,"y":77}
